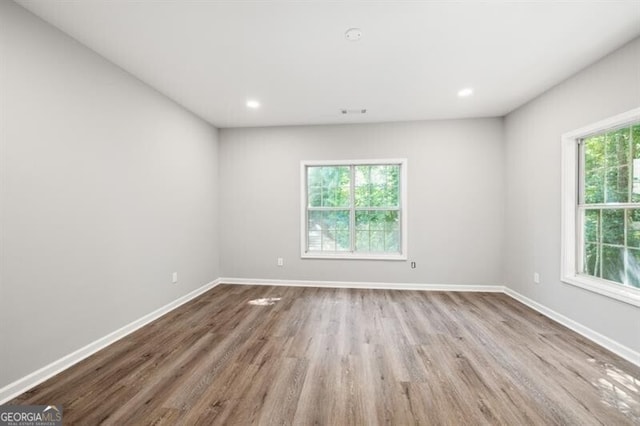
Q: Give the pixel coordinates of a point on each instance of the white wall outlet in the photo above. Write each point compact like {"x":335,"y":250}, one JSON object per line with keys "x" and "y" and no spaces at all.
{"x":280,"y":261}
{"x":536,"y":278}
{"x":174,"y":277}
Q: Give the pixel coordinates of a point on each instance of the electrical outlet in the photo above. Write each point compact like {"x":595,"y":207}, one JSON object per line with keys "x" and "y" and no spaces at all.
{"x":174,"y":277}
{"x":280,"y":261}
{"x":536,"y":278}
{"x":413,"y":265}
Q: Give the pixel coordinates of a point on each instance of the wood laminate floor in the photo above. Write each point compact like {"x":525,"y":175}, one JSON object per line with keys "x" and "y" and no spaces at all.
{"x":348,"y":357}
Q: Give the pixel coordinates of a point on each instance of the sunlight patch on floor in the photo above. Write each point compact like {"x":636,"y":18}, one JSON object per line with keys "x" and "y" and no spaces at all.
{"x":265,"y":301}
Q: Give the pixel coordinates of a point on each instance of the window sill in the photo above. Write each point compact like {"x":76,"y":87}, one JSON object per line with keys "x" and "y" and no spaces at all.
{"x":352,"y":256}
{"x":610,"y":289}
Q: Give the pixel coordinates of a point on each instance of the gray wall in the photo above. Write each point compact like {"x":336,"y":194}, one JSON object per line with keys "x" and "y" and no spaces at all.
{"x":455,"y":209}
{"x":533,"y":165}
{"x":107,"y":187}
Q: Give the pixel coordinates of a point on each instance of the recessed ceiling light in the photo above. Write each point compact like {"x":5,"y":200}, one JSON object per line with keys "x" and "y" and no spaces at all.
{"x":253,"y":104}
{"x":468,"y":91}
{"x":353,"y":34}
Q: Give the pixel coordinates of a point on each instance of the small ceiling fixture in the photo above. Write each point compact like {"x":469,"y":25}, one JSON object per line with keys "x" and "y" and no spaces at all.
{"x":468,"y":91}
{"x":253,"y":104}
{"x":353,"y":111}
{"x":353,"y":34}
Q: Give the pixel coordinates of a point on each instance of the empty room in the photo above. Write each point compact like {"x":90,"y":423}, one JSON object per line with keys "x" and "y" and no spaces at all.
{"x":319,"y":212}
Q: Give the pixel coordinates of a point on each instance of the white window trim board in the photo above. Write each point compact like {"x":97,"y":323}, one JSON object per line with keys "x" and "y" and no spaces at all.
{"x":570,"y":237}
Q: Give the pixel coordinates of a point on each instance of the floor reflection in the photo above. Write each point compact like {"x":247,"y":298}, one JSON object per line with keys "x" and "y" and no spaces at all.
{"x":265,"y":301}
{"x":620,"y":390}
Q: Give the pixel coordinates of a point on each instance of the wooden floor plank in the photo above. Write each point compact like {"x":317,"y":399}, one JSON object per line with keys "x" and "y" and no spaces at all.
{"x":344,"y":356}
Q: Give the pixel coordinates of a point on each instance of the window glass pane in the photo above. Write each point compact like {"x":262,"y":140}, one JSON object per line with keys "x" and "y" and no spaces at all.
{"x":376,"y":241}
{"x":377,"y":231}
{"x":328,"y":186}
{"x":607,"y":161}
{"x":594,"y":165}
{"x":635,"y":196}
{"x":592,"y":259}
{"x":617,"y":156}
{"x":617,"y":148}
{"x":617,"y":184}
{"x":343,"y":240}
{"x":592,"y":226}
{"x":328,"y":230}
{"x":377,"y":185}
{"x":369,"y":220}
{"x":363,"y":186}
{"x":633,"y":267}
{"x":594,"y":186}
{"x":314,"y":231}
{"x":392,"y":231}
{"x":392,"y":221}
{"x":608,"y":256}
{"x":362,"y":241}
{"x":613,"y":263}
{"x":613,"y":226}
{"x":594,"y":152}
{"x":633,"y":228}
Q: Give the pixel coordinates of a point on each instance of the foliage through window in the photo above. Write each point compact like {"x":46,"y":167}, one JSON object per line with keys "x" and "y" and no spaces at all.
{"x":609,"y":205}
{"x":353,"y":209}
{"x":601,"y":207}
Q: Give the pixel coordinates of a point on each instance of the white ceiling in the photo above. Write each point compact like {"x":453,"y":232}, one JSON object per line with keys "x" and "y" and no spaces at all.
{"x":292,"y":56}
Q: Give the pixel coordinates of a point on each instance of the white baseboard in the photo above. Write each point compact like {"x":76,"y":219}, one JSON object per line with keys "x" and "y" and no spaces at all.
{"x":365,"y":285}
{"x":22,"y":385}
{"x":615,"y":347}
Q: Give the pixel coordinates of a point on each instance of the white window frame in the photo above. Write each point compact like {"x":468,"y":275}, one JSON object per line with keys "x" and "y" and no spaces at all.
{"x":571,"y":230}
{"x":402,"y":162}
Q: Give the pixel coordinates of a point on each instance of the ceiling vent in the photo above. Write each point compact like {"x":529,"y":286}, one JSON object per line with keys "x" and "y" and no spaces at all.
{"x":353,"y":111}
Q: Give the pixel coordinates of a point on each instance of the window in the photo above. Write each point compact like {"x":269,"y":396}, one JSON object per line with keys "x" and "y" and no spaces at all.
{"x":354,"y":209}
{"x":601,"y":207}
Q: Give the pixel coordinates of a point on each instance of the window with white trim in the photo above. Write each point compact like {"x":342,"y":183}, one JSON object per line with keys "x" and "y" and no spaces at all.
{"x":354,"y":209}
{"x":601,"y":207}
